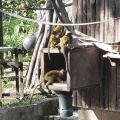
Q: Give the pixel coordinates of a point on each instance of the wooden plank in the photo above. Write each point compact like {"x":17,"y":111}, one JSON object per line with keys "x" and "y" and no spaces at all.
{"x":58,"y":87}
{"x":17,"y":82}
{"x":42,"y":64}
{"x":52,"y":50}
{"x":74,"y":100}
{"x":106,"y":23}
{"x":88,"y":98}
{"x":82,"y":67}
{"x":9,"y":94}
{"x":101,"y":97}
{"x":111,"y":23}
{"x":88,"y":17}
{"x":93,"y":97}
{"x":79,"y":98}
{"x":9,"y":99}
{"x":79,"y":14}
{"x":93,"y":17}
{"x":116,"y":26}
{"x":112,"y":88}
{"x":102,"y":67}
{"x":97,"y":26}
{"x":106,"y":83}
{"x":75,"y":4}
{"x":101,"y":18}
{"x":118,"y":85}
{"x":97,"y":97}
{"x":119,"y":20}
{"x":84,"y":98}
{"x":21,"y":81}
{"x":84,"y":17}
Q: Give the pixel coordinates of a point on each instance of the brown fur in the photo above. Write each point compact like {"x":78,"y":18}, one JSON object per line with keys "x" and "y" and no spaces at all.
{"x":64,"y":43}
{"x":51,"y":77}
{"x":55,"y":38}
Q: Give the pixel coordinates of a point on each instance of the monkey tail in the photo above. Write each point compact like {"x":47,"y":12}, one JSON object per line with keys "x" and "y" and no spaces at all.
{"x":49,"y":50}
{"x":35,"y":89}
{"x":66,"y":61}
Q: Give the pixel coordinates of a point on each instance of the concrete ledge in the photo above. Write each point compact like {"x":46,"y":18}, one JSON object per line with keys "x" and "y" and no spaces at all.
{"x":98,"y":114}
{"x":57,"y":117}
{"x":45,"y":107}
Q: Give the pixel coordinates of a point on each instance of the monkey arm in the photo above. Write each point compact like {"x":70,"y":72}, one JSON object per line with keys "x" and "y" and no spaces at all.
{"x":60,"y":80}
{"x":53,"y":39}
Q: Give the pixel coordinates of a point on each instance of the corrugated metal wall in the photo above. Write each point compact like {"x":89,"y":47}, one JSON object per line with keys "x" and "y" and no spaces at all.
{"x":98,"y":10}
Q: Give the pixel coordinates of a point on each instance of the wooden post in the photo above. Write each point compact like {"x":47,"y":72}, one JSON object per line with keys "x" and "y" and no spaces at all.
{"x":21,"y":74}
{"x":16,"y":72}
{"x":0,"y":84}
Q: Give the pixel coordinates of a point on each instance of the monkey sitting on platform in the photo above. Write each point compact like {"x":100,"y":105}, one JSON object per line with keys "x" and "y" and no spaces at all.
{"x":51,"y":77}
{"x":55,"y":38}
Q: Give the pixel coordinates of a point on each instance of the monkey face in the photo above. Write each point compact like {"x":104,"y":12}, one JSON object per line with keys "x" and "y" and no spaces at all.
{"x":62,"y":74}
{"x":62,"y":71}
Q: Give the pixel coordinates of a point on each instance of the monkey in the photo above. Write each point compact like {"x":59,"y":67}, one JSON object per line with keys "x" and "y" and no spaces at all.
{"x":64,"y":43}
{"x":54,"y":38}
{"x":50,"y":77}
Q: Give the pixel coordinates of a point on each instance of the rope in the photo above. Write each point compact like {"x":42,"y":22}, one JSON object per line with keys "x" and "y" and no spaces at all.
{"x":61,"y":24}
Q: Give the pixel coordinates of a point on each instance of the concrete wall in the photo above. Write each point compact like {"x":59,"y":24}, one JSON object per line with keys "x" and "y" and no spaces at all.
{"x":32,"y":112}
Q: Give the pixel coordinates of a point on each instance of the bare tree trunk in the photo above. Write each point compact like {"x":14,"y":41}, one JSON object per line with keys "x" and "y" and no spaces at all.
{"x":33,"y":60}
{"x":43,"y":44}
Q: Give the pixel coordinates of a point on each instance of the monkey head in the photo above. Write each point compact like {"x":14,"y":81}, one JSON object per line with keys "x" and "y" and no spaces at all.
{"x":62,"y":74}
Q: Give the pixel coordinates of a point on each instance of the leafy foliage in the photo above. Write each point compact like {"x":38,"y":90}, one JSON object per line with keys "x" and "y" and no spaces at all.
{"x":15,"y":30}
{"x":25,"y":100}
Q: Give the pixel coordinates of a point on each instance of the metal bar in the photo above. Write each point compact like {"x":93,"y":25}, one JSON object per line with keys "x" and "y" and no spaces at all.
{"x":2,"y":49}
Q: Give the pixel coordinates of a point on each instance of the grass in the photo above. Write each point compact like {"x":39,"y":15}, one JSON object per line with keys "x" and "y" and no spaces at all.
{"x":8,"y":84}
{"x":25,"y":100}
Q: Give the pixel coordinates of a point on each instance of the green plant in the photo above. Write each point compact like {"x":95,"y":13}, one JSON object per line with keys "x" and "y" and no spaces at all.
{"x":25,"y":100}
{"x":7,"y":84}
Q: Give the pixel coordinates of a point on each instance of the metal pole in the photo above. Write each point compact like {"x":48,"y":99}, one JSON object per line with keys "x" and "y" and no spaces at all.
{"x":65,"y":104}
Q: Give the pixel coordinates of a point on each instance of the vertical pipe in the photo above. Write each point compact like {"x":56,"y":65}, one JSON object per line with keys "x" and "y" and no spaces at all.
{"x":65,"y":104}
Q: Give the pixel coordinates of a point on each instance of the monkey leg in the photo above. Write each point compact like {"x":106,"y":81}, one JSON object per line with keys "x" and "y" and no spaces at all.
{"x":50,"y":81}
